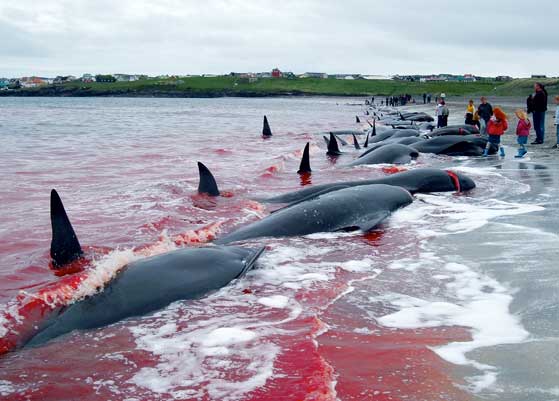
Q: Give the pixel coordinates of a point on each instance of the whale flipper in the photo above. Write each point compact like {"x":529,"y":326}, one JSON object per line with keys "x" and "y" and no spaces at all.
{"x":305,"y":166}
{"x":250,"y":262}
{"x":355,"y":143}
{"x":333,"y":148}
{"x":64,"y":246}
{"x":207,"y":183}
{"x":373,"y":220}
{"x":266,"y":131}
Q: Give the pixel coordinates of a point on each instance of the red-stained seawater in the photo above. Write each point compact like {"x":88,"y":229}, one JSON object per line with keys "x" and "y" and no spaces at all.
{"x":306,"y":325}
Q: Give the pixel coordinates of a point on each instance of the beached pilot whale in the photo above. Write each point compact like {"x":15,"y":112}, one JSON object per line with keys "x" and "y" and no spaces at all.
{"x":454,"y":145}
{"x":362,"y":207}
{"x":393,"y":153}
{"x":150,"y":284}
{"x":142,"y":286}
{"x":421,"y":180}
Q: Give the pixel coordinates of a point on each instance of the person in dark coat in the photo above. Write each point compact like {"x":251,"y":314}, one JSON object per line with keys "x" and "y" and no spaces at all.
{"x":539,"y":107}
{"x":485,"y":111}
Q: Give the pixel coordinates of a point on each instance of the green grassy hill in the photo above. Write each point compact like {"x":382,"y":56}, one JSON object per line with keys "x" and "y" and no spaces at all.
{"x":523,"y":87}
{"x":308,"y":86}
{"x":233,"y":86}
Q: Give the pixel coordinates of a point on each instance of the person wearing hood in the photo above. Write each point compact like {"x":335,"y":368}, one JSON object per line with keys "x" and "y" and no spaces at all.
{"x":496,"y":127}
{"x":522,"y":131}
{"x":539,"y":107}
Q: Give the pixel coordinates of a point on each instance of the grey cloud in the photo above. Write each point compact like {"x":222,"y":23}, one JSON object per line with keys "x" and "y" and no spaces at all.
{"x":217,"y":36}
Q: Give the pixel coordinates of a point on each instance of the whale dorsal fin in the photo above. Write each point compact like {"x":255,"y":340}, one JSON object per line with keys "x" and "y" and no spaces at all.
{"x":366,"y":145}
{"x":341,"y":140}
{"x":64,"y":246}
{"x":355,"y":142}
{"x":305,"y":166}
{"x":333,"y":148}
{"x":266,"y":131}
{"x":357,"y":120}
{"x":326,"y":140}
{"x":374,"y":128}
{"x":207,"y":183}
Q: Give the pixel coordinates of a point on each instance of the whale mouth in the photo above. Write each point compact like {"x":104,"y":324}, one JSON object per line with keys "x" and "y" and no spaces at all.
{"x":455,"y":180}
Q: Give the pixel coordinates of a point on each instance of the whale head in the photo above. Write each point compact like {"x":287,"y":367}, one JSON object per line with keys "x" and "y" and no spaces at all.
{"x":461,"y":182}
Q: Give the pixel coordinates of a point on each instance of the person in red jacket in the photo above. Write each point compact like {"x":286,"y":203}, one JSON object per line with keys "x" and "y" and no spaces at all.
{"x":496,"y":127}
{"x":522,"y":132}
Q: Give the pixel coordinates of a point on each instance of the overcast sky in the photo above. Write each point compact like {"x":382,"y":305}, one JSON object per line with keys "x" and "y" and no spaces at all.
{"x":59,"y":37}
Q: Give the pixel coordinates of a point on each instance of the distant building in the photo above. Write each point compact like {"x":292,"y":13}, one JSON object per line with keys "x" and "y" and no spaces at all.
{"x":503,"y":78}
{"x":276,"y":73}
{"x":320,"y":75}
{"x":377,"y":77}
{"x":104,"y":78}
{"x":87,"y":78}
{"x":126,"y":77}
{"x":32,"y":82}
{"x":538,"y":76}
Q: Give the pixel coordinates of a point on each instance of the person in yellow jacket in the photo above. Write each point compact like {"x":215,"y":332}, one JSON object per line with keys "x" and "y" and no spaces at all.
{"x":470,"y":110}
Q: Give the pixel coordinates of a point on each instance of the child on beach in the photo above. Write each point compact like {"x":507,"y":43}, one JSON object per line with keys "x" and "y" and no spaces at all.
{"x":557,"y":121}
{"x":522,"y":131}
{"x":470,"y":110}
{"x":496,"y":127}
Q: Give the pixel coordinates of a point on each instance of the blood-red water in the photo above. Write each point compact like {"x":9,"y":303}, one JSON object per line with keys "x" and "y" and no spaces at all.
{"x":126,"y":171}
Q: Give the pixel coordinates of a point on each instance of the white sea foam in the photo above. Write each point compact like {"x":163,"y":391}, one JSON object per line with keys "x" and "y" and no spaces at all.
{"x":275,"y":301}
{"x":471,"y":300}
{"x":7,"y":388}
{"x":456,"y":216}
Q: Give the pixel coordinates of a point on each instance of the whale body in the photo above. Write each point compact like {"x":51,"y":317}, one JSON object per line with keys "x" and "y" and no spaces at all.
{"x":150,"y":284}
{"x":421,"y":180}
{"x":361,"y":207}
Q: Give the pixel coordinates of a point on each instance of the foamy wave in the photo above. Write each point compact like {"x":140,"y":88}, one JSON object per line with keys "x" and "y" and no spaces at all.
{"x":444,"y":216}
{"x":471,"y":300}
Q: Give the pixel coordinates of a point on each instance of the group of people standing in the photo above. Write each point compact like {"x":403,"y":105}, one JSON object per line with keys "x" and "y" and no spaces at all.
{"x":492,"y":122}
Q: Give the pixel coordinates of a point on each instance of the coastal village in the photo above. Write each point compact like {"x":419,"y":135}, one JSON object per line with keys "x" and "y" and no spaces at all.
{"x":17,"y":83}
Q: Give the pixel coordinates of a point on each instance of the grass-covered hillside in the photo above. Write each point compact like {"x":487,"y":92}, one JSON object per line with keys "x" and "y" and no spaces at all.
{"x":233,"y":86}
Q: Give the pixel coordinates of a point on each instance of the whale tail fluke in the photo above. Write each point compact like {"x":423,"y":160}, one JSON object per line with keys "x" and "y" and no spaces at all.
{"x":355,"y":142}
{"x":266,"y":131}
{"x":305,"y":166}
{"x":333,"y":148}
{"x":357,"y":120}
{"x":64,"y":246}
{"x":207,"y":183}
